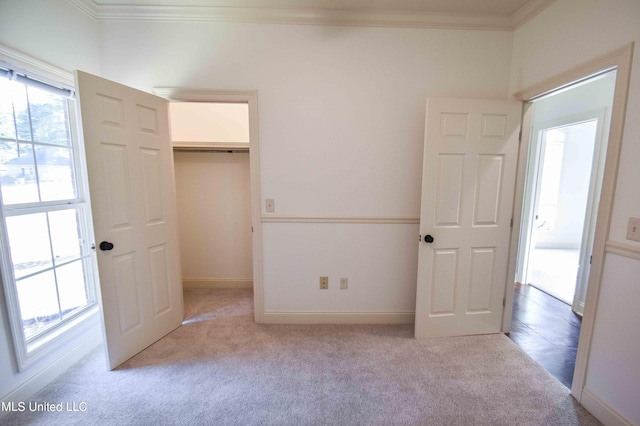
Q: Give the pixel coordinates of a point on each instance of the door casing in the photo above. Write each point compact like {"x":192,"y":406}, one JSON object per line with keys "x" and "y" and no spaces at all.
{"x":619,"y":60}
{"x":249,"y":97}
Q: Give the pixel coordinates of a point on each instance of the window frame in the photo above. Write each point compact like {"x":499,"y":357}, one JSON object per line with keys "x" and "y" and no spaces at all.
{"x":28,"y":351}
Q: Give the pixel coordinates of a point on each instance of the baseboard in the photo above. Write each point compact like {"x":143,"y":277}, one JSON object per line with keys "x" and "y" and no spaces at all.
{"x":602,"y":411}
{"x":339,"y":317}
{"x":217,"y":283}
{"x":50,"y":372}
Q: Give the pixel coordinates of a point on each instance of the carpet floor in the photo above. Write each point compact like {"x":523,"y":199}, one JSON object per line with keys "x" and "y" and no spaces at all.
{"x":220,"y":368}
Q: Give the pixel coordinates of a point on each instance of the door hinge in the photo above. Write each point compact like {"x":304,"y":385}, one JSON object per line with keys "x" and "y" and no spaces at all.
{"x":504,"y":301}
{"x":590,"y":259}
{"x":511,"y":223}
{"x":252,"y":229}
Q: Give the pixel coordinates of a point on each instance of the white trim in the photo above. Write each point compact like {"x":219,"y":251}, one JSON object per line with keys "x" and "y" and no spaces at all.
{"x":88,"y":7}
{"x":312,"y":16}
{"x":602,"y":411}
{"x":622,"y":249}
{"x":24,"y":62}
{"x":528,"y":11}
{"x":342,"y":219}
{"x":195,"y":95}
{"x":251,"y":98}
{"x":194,"y":146}
{"x":620,"y":60}
{"x":217,"y":283}
{"x":339,"y":317}
{"x":586,"y":71}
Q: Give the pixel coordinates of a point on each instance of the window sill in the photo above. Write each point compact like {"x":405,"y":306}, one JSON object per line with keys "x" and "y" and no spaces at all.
{"x":61,"y":336}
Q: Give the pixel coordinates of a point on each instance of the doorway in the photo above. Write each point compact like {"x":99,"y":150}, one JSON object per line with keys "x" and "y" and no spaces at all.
{"x":562,"y":189}
{"x":249,"y":98}
{"x":564,"y":174}
{"x":565,"y":177}
{"x":213,"y":189}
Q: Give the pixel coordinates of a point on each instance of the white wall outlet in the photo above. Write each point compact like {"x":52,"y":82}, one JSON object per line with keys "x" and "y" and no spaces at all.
{"x":324,"y":283}
{"x":344,"y":283}
{"x":269,"y":205}
{"x":633,"y":229}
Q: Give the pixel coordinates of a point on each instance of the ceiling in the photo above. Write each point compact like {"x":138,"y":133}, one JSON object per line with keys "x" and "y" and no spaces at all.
{"x":502,"y":15}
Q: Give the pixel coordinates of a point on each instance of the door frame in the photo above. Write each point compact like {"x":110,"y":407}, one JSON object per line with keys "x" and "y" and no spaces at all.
{"x":249,"y":97}
{"x":532,"y":193}
{"x":619,"y":60}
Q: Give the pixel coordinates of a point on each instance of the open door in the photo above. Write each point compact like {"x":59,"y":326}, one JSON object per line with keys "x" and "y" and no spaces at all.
{"x":130,"y":171}
{"x":469,"y":173}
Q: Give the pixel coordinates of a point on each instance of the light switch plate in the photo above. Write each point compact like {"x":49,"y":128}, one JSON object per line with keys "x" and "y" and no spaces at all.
{"x":269,"y":205}
{"x":344,"y":283}
{"x":633,"y":229}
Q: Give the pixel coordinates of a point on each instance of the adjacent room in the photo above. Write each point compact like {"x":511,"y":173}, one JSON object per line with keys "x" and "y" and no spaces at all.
{"x":319,"y":212}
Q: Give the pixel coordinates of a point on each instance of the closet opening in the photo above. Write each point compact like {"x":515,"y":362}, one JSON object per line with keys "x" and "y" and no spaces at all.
{"x":213,"y":190}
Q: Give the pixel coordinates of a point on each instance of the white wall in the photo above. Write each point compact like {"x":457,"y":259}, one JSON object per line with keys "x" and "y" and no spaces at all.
{"x":341,"y":122}
{"x":58,"y":33}
{"x":52,"y":31}
{"x":214,"y":218}
{"x":566,"y":34}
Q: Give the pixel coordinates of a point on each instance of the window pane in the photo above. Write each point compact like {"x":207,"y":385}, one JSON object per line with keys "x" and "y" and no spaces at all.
{"x":46,"y":234}
{"x":65,"y":236}
{"x":21,"y":110}
{"x":56,"y":174}
{"x":7,"y":128}
{"x":48,"y":117}
{"x":38,"y":302}
{"x":29,"y":242}
{"x":17,"y":169}
{"x":71,"y":287}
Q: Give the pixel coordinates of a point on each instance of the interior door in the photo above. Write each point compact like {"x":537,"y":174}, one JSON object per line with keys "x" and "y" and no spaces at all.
{"x":469,"y":173}
{"x":130,"y":170}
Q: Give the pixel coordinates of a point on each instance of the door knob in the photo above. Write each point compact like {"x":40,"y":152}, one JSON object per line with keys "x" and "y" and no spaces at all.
{"x":105,"y":246}
{"x":428,"y":239}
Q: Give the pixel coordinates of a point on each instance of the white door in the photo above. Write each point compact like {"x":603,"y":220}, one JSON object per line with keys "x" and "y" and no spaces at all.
{"x":469,"y":173}
{"x":130,"y":170}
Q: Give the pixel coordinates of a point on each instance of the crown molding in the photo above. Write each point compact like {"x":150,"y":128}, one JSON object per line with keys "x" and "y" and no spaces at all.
{"x":528,"y":11}
{"x":311,"y":16}
{"x":88,"y":7}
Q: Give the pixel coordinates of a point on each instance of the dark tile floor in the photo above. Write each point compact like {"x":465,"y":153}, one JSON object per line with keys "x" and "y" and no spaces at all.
{"x":547,"y":330}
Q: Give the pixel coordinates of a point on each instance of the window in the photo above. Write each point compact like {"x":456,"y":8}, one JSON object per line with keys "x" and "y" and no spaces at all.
{"x":553,"y":145}
{"x":46,"y":258}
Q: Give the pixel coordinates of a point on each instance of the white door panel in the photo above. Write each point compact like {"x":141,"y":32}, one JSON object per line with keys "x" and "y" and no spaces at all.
{"x":469,"y":167}
{"x":130,"y":168}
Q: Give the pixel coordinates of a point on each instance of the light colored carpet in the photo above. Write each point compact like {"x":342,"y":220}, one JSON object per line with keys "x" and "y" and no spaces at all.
{"x":222,"y":369}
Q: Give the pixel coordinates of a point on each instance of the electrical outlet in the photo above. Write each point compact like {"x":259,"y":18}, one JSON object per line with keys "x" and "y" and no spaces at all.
{"x":344,"y":283}
{"x":324,"y":283}
{"x":269,"y":205}
{"x":633,"y":229}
